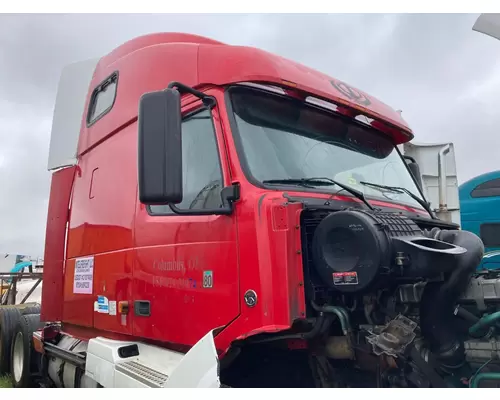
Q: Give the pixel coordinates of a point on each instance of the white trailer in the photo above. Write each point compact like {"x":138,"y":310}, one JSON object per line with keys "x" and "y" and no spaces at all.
{"x":438,"y":173}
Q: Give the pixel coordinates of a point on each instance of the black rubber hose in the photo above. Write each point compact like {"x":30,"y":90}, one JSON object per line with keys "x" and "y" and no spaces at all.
{"x":340,"y":312}
{"x":329,"y":318}
{"x":466,"y":315}
{"x":439,"y":299}
{"x":316,"y":329}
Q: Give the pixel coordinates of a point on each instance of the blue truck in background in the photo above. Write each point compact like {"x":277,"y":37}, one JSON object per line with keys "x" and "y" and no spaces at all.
{"x":480,"y":214}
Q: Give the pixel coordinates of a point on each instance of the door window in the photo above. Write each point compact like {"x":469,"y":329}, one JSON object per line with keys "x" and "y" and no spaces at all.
{"x":201,"y":168}
{"x":487,"y":189}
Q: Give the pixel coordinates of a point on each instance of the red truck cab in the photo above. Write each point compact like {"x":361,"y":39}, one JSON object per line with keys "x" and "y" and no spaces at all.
{"x":180,"y":196}
{"x":183,"y":275}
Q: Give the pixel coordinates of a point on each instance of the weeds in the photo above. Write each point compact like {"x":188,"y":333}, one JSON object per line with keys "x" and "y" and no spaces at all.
{"x":5,"y":382}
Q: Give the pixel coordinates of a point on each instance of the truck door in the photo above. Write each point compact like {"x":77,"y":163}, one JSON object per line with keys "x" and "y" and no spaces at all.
{"x":185,"y":276}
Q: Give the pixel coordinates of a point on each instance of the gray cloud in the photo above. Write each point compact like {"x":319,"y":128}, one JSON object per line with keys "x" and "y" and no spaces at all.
{"x":435,"y":68}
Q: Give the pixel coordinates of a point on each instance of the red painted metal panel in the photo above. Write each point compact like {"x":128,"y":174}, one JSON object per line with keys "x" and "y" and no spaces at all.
{"x":55,"y":238}
{"x":270,"y":265}
{"x":102,"y":220}
{"x":113,"y":280}
{"x":101,"y":225}
{"x":145,"y":70}
{"x":221,"y":65}
{"x":170,"y":277}
{"x":154,"y":39}
{"x":151,"y":62}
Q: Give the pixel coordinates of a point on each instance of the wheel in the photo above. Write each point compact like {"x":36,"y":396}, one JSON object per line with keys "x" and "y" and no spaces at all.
{"x":23,"y":359}
{"x":9,"y":316}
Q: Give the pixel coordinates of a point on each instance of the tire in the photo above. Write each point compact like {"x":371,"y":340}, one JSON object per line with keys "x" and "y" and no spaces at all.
{"x":9,"y":317}
{"x":30,"y":310}
{"x":23,"y":358}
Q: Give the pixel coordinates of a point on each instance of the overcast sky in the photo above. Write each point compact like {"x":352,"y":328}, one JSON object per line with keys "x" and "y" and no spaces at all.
{"x":444,"y":76}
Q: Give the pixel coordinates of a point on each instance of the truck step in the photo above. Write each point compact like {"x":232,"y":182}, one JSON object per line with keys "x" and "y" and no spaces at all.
{"x":142,"y":373}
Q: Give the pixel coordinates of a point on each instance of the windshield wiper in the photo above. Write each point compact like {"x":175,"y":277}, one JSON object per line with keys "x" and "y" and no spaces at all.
{"x":397,"y":189}
{"x":314,"y":182}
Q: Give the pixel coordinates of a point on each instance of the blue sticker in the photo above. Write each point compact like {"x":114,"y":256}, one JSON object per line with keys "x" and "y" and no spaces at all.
{"x":102,"y":305}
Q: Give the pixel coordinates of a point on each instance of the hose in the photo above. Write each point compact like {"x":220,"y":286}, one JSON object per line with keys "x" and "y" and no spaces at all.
{"x":327,"y":323}
{"x":484,"y":323}
{"x":466,"y":315}
{"x":341,"y":314}
{"x":316,"y":329}
{"x":439,"y":299}
{"x":484,"y":376}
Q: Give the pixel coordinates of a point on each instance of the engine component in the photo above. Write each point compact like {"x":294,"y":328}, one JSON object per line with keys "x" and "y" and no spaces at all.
{"x":394,"y":337}
{"x":465,"y":315}
{"x":479,"y":351}
{"x":338,"y":347}
{"x":485,"y":376}
{"x":352,"y":248}
{"x":484,"y":323}
{"x":439,"y":299}
{"x":341,"y":314}
{"x":483,"y":288}
{"x":388,"y":260}
{"x":410,"y":293}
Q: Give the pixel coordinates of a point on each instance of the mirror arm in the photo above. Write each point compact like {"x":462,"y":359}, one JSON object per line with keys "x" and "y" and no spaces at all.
{"x":410,"y":158}
{"x":208,"y":101}
{"x":229,"y":195}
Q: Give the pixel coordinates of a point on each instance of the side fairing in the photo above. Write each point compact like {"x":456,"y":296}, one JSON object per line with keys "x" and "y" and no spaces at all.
{"x":55,"y":240}
{"x":68,"y":111}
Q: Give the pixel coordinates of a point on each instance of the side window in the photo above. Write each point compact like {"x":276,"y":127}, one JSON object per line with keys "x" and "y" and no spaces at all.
{"x":102,"y":99}
{"x":490,"y":234}
{"x":487,"y":189}
{"x":201,"y":168}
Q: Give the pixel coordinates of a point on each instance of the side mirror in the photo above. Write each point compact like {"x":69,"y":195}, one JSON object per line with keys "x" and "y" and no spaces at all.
{"x":160,"y":148}
{"x":415,"y":170}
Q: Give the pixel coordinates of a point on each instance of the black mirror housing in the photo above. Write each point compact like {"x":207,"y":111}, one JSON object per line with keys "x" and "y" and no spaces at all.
{"x":160,"y":148}
{"x":415,"y":170}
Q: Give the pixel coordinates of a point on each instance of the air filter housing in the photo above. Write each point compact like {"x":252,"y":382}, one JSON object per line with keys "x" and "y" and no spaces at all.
{"x":352,"y":248}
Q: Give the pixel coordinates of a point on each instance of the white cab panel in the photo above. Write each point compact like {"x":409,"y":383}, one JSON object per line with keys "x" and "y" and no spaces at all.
{"x":154,"y":366}
{"x":69,"y":112}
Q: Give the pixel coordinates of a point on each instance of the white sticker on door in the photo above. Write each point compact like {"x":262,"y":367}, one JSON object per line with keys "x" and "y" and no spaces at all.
{"x":112,"y":307}
{"x":84,"y":275}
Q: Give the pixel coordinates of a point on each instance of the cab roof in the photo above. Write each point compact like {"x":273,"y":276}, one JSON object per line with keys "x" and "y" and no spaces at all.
{"x":150,"y":62}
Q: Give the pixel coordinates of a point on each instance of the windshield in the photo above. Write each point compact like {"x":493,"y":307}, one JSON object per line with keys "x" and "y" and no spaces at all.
{"x":281,"y":138}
